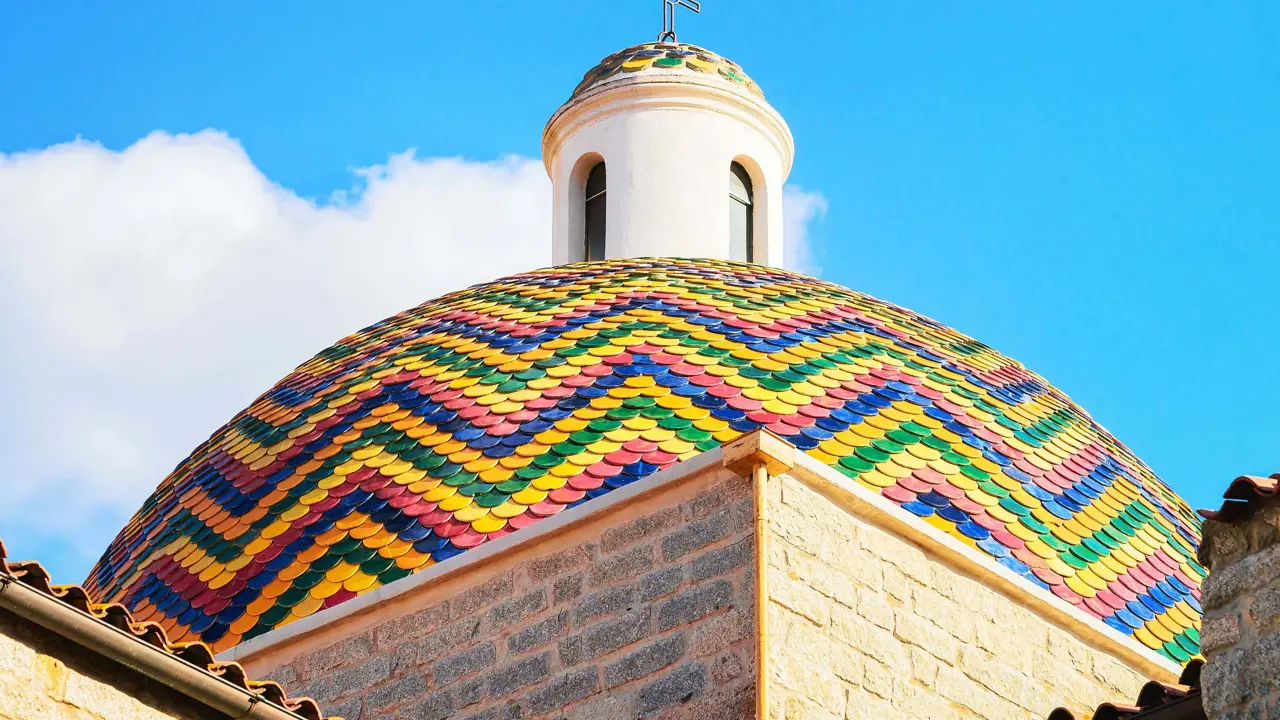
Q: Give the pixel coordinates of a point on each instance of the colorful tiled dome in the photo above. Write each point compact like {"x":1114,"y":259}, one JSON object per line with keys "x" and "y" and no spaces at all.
{"x":485,"y":411}
{"x":666,"y":58}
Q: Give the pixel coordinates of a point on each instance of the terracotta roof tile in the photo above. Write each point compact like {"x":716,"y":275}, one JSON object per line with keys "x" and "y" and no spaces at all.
{"x":1156,"y":701}
{"x":33,"y":575}
{"x":1244,"y":495}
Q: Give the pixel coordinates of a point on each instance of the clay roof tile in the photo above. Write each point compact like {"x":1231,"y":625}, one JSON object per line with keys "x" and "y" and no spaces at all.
{"x":33,"y":575}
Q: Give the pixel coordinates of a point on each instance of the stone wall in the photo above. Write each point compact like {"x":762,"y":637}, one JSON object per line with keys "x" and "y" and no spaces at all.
{"x":626,"y":616}
{"x":43,"y":675}
{"x":1241,"y":635}
{"x":863,"y":624}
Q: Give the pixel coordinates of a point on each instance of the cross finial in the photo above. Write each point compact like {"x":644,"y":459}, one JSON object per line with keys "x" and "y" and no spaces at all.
{"x":669,"y":17}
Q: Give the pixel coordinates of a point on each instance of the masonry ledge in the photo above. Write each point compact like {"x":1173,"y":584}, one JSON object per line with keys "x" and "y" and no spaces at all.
{"x":871,"y":506}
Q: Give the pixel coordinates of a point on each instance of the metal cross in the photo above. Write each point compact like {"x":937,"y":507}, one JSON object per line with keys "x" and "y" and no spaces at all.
{"x":669,"y":17}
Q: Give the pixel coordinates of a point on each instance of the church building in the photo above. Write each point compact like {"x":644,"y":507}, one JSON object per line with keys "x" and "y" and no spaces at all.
{"x":667,"y":478}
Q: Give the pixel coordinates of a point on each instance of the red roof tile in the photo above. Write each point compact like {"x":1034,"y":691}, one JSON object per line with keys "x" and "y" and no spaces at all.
{"x":33,"y":575}
{"x":1243,"y":496}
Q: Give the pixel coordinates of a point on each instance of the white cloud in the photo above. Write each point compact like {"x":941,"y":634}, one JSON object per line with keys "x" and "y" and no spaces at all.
{"x":801,"y":209}
{"x":147,"y":295}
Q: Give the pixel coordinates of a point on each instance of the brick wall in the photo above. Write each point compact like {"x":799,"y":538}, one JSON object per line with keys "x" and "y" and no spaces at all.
{"x":43,"y":675}
{"x":1241,"y":635}
{"x":649,"y":616}
{"x":862,"y":624}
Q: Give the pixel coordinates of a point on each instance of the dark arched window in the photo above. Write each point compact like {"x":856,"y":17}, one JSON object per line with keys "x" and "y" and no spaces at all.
{"x":741,"y":217}
{"x":594,"y":240}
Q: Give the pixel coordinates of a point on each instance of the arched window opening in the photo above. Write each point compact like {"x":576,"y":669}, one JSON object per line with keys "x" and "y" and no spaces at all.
{"x":595,"y":224}
{"x":741,"y":217}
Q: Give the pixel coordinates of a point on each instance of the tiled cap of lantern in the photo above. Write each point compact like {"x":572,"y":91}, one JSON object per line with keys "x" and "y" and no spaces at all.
{"x":670,"y":59}
{"x":487,"y":410}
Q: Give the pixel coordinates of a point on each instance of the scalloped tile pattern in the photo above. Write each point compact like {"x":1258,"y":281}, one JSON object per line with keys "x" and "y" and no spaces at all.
{"x":670,"y":58}
{"x":490,"y":409}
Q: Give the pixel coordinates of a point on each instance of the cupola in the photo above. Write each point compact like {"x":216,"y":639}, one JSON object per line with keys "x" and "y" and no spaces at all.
{"x":667,"y":150}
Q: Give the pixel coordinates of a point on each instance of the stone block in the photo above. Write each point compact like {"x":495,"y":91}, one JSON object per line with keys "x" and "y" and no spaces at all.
{"x":483,"y":595}
{"x":539,"y":633}
{"x":411,"y":626}
{"x":545,"y":568}
{"x":907,"y":558}
{"x":800,"y":599}
{"x":510,"y":612}
{"x":718,"y":496}
{"x":860,"y":705}
{"x":354,"y":680}
{"x":519,"y":674}
{"x":401,"y":691}
{"x":735,"y":702}
{"x":1264,"y":609}
{"x":607,"y":706}
{"x":344,"y":652}
{"x":96,"y":697}
{"x":943,"y":612}
{"x":286,"y":675}
{"x":320,"y":688}
{"x":467,"y":662}
{"x":923,"y":634}
{"x":924,"y":666}
{"x":875,"y":607}
{"x":620,"y":567}
{"x":695,"y":536}
{"x":797,"y":707}
{"x":436,"y":706}
{"x":563,"y":690}
{"x":605,"y":603}
{"x":646,"y":660}
{"x":814,"y":682}
{"x":566,"y":588}
{"x":694,"y":603}
{"x":849,"y":628}
{"x":438,"y":644}
{"x":16,"y":658}
{"x":722,"y":631}
{"x":722,"y":561}
{"x":678,"y":686}
{"x":1219,"y":631}
{"x":349,"y":709}
{"x":729,"y":666}
{"x":660,"y":583}
{"x":507,"y":711}
{"x":605,"y":637}
{"x":617,"y":538}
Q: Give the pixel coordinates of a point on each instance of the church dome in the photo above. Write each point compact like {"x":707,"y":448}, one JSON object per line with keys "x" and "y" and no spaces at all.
{"x":488,"y":410}
{"x":658,"y":59}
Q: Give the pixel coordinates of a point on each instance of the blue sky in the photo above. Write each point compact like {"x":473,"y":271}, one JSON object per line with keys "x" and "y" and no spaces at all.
{"x":1088,"y":187}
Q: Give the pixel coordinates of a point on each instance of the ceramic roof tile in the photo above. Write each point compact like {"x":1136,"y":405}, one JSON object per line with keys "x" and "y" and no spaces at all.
{"x":33,"y":575}
{"x":666,"y":59}
{"x":1244,"y":495}
{"x":487,"y":410}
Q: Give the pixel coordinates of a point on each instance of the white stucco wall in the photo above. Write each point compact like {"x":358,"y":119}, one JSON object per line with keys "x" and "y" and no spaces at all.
{"x":667,"y":143}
